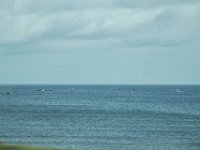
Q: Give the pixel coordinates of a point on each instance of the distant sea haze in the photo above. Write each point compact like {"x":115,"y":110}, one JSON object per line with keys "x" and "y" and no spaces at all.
{"x":101,"y":117}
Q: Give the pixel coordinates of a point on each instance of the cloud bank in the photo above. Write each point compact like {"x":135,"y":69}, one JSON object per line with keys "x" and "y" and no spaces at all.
{"x":148,"y":22}
{"x":107,"y":27}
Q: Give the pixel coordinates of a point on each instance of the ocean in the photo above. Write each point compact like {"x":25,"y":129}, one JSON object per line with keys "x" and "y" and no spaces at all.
{"x":101,"y":117}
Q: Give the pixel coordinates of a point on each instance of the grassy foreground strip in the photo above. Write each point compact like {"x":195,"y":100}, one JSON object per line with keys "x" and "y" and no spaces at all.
{"x":21,"y":147}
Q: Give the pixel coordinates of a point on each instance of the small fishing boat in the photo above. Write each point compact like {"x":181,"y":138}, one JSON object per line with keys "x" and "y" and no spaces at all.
{"x":40,"y":90}
{"x":179,"y":91}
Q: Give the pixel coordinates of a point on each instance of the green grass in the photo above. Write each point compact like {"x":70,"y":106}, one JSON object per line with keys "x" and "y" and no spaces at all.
{"x":22,"y":147}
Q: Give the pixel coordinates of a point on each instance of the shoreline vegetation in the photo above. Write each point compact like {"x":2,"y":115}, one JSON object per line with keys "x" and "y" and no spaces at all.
{"x":4,"y":146}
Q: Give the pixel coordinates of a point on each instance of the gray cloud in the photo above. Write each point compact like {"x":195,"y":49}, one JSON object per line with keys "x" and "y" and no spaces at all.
{"x":31,"y":6}
{"x":128,"y":23}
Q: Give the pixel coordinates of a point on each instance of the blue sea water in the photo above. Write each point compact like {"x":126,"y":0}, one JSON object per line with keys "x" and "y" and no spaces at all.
{"x":102,"y":117}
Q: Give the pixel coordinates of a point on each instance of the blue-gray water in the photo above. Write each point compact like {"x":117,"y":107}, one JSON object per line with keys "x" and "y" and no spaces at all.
{"x":102,"y":117}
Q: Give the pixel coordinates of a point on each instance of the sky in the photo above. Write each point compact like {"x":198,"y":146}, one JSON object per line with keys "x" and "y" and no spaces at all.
{"x":99,"y":42}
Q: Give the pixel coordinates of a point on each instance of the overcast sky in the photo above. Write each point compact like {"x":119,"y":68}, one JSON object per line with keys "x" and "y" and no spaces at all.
{"x":99,"y":41}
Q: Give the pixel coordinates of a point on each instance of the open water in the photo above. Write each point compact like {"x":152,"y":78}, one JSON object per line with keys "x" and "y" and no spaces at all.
{"x":101,"y":117}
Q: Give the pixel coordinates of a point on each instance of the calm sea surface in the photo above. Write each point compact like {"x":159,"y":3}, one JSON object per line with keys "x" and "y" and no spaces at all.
{"x":102,"y":117}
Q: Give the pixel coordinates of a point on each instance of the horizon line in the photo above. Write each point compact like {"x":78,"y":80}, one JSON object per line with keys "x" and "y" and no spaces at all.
{"x":92,"y":84}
